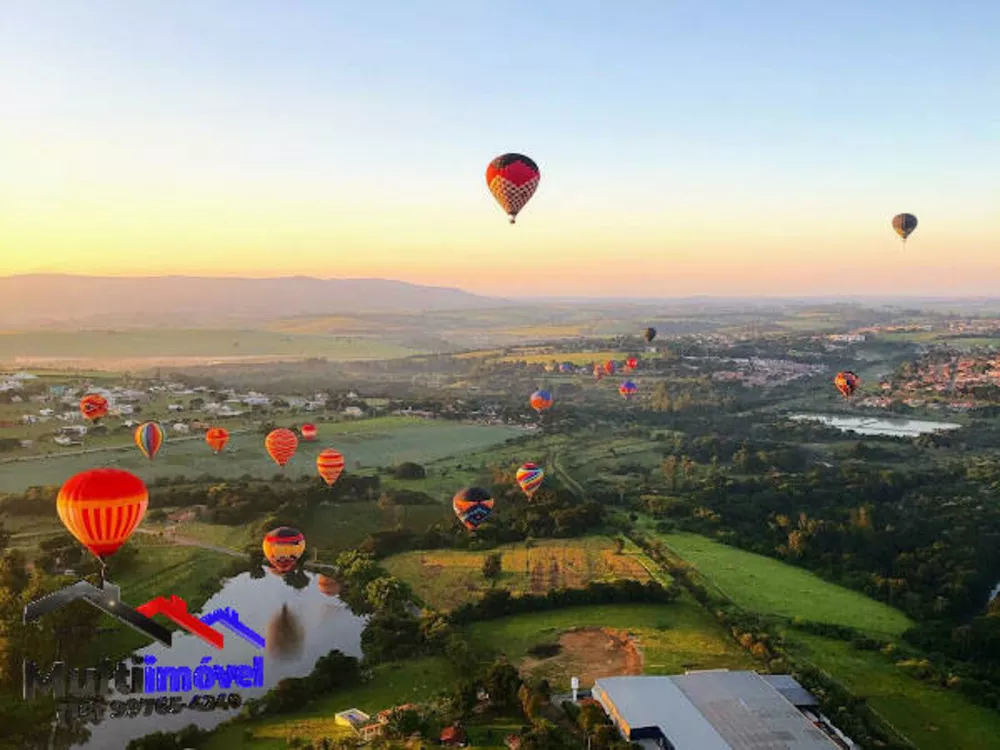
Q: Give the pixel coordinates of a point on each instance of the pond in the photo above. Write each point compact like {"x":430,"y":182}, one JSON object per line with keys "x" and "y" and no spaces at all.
{"x":299,"y":626}
{"x":878,"y":425}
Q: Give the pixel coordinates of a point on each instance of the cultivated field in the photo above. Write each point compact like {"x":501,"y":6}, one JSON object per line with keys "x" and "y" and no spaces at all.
{"x":365,"y":443}
{"x":444,"y":579}
{"x":761,"y":584}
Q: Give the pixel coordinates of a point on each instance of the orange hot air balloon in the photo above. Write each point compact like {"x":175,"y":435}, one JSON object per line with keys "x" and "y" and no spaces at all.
{"x":609,"y":367}
{"x":281,"y":445}
{"x":283,"y":547}
{"x":101,"y":508}
{"x":93,"y":406}
{"x":308,"y":432}
{"x":540,"y":400}
{"x":330,"y":464}
{"x":217,"y":437}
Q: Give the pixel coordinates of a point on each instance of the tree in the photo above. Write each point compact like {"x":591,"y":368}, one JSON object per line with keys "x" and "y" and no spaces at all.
{"x":503,"y":683}
{"x":493,"y":567}
{"x":387,"y":593}
{"x":409,"y":470}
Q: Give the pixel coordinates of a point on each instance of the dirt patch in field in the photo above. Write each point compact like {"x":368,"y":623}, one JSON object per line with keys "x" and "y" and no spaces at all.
{"x":590,"y":653}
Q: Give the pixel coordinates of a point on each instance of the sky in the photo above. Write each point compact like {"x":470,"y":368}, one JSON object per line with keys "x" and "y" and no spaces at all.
{"x":716,"y":147}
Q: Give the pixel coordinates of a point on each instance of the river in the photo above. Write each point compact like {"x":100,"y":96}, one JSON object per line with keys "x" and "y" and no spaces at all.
{"x":311,"y":625}
{"x":879,"y":425}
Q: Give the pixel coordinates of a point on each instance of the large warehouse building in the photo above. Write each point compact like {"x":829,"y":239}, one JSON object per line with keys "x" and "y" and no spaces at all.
{"x":716,"y":710}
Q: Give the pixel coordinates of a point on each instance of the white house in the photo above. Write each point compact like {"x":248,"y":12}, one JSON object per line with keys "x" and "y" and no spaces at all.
{"x":354,"y":411}
{"x":182,"y":428}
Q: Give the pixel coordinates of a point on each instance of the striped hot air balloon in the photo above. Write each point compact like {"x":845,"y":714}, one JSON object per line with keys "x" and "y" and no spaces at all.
{"x":217,"y":437}
{"x":513,"y":179}
{"x":281,"y":445}
{"x":627,"y":389}
{"x":541,"y":400}
{"x":609,"y":367}
{"x":149,"y":437}
{"x":473,"y":506}
{"x":93,"y":406}
{"x":283,"y":547}
{"x":330,"y":465}
{"x":530,"y":476}
{"x":308,"y":432}
{"x":101,"y":508}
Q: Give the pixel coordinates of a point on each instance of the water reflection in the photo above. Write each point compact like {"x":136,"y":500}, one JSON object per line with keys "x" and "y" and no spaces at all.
{"x":878,"y":425}
{"x":300,"y":625}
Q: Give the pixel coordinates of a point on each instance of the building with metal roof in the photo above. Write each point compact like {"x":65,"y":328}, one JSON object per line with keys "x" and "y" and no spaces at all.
{"x":712,"y":710}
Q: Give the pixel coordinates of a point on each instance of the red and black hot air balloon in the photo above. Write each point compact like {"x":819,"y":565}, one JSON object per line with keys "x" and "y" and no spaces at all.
{"x":513,"y":179}
{"x":93,"y":406}
{"x":904,"y":224}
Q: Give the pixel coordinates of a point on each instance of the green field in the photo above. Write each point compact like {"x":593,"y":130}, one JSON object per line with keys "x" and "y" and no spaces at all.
{"x":670,"y":637}
{"x":445,"y":579}
{"x":365,"y":443}
{"x":933,"y":718}
{"x":761,"y":584}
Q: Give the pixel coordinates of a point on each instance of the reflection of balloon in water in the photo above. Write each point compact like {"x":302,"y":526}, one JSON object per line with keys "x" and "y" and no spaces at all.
{"x":308,"y":432}
{"x":329,"y":586}
{"x":847,"y":383}
{"x":285,"y":635}
{"x":283,"y":547}
{"x":530,"y":477}
{"x":93,"y":406}
{"x":217,"y":437}
{"x":904,"y":224}
{"x":473,"y":506}
{"x":281,"y":445}
{"x":541,"y":400}
{"x":149,"y":437}
{"x":649,"y":334}
{"x":330,"y":465}
{"x":513,"y":179}
{"x":101,"y":508}
{"x":627,"y":389}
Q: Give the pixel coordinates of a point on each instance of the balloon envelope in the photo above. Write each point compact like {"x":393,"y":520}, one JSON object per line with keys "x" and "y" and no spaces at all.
{"x":93,"y":406}
{"x":149,"y":437}
{"x":530,"y":477}
{"x":541,"y":400}
{"x":281,"y":445}
{"x":217,"y":437}
{"x":632,"y":362}
{"x":308,"y":432}
{"x":330,"y":465}
{"x":513,"y":179}
{"x":649,"y":334}
{"x":609,"y":367}
{"x":101,"y":508}
{"x":847,"y":383}
{"x":628,"y":389}
{"x":904,"y":224}
{"x":283,"y":547}
{"x":472,"y":505}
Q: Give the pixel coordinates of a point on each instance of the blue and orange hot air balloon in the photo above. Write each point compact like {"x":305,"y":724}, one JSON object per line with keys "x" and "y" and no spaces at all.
{"x":281,"y":445}
{"x":149,"y":437}
{"x":609,"y":367}
{"x":627,"y":389}
{"x":283,"y":547}
{"x":566,"y":367}
{"x":530,"y":477}
{"x":541,"y":400}
{"x":101,"y":508}
{"x":330,"y":465}
{"x":93,"y":406}
{"x":473,"y":505}
{"x":217,"y":437}
{"x":513,"y":179}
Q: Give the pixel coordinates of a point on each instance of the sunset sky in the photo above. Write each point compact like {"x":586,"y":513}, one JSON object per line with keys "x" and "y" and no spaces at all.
{"x":698,"y":147}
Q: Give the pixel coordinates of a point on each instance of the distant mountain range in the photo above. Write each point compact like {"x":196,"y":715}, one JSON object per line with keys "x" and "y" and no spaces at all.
{"x":55,"y":300}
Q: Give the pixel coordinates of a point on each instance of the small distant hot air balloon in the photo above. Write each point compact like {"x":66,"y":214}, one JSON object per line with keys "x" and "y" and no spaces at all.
{"x":149,"y":437}
{"x":609,"y":367}
{"x":566,"y":367}
{"x":329,"y":586}
{"x":308,"y":432}
{"x":649,"y":334}
{"x":473,"y":506}
{"x":530,"y":477}
{"x":904,"y":224}
{"x":281,"y":445}
{"x":217,"y":437}
{"x":513,"y":179}
{"x":627,"y":389}
{"x":283,"y":547}
{"x":93,"y":406}
{"x":631,"y":363}
{"x":847,"y":383}
{"x":598,"y":371}
{"x":330,"y":465}
{"x":541,"y":400}
{"x":101,"y":508}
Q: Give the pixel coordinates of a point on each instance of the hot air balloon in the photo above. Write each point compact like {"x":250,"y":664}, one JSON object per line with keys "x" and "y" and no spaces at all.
{"x":513,"y":179}
{"x":217,"y":437}
{"x":473,"y":506}
{"x":281,"y":445}
{"x":93,"y":406}
{"x":308,"y":432}
{"x":329,"y":586}
{"x":904,"y":224}
{"x":566,"y":367}
{"x":631,"y":363}
{"x":847,"y":383}
{"x":330,"y":464}
{"x":541,"y":400}
{"x":530,"y":477}
{"x":649,"y":334}
{"x":627,"y":389}
{"x":283,"y":547}
{"x":149,"y":437}
{"x":101,"y":508}
{"x":609,"y":367}
{"x":598,"y":371}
